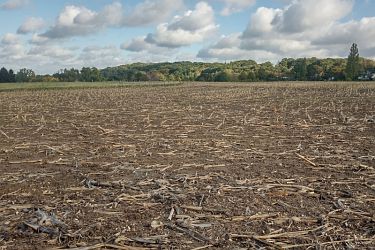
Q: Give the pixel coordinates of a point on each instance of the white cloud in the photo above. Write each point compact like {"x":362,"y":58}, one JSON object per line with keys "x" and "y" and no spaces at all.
{"x":139,"y":44}
{"x":339,"y":37}
{"x":13,"y":4}
{"x":361,"y":32}
{"x":303,"y":28}
{"x":49,"y":58}
{"x":11,"y":49}
{"x":261,"y":22}
{"x":67,"y":25}
{"x":52,"y":51}
{"x":230,"y":41}
{"x":111,"y":15}
{"x":311,"y":14}
{"x":80,"y":21}
{"x":165,"y":37}
{"x":149,"y":12}
{"x":46,"y":56}
{"x":193,"y":20}
{"x":301,"y":16}
{"x":277,"y":45}
{"x":10,"y":38}
{"x":31,"y":24}
{"x":37,"y":39}
{"x":136,"y":45}
{"x":52,"y":57}
{"x":228,"y":48}
{"x":233,"y":6}
{"x":193,"y":27}
{"x":100,"y":56}
{"x":15,"y":54}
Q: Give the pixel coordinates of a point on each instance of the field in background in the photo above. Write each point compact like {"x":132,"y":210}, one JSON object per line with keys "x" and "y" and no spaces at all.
{"x":77,"y":85}
{"x":225,"y":166}
{"x":83,"y":85}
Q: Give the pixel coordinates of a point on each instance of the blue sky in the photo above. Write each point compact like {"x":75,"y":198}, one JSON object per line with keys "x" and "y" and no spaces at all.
{"x":49,"y":35}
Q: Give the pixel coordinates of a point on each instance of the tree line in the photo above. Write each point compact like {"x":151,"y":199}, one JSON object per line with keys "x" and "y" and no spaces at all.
{"x":288,"y":69}
{"x":23,"y":75}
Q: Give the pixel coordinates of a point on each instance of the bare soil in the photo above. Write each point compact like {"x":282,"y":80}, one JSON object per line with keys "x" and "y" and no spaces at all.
{"x":204,"y":166}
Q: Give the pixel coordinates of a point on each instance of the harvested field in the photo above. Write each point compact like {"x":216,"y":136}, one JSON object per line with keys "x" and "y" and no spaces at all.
{"x":195,"y":166}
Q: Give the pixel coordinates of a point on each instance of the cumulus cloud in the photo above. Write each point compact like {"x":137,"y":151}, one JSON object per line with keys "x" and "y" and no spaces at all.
{"x":136,"y":45}
{"x":301,"y":16}
{"x":49,"y":58}
{"x":52,"y":51}
{"x":281,"y":45}
{"x":149,"y":12}
{"x":37,"y":39}
{"x":110,"y":15}
{"x":228,"y":48}
{"x":80,"y":21}
{"x":10,"y":38}
{"x":67,"y":25}
{"x":311,"y":14}
{"x":14,"y":51}
{"x":192,"y":27}
{"x":11,"y":48}
{"x":100,"y":56}
{"x":140,"y":45}
{"x":362,"y":31}
{"x":52,"y":57}
{"x":340,"y":36}
{"x":303,"y":28}
{"x":233,"y":6}
{"x":13,"y":4}
{"x":261,"y":22}
{"x":31,"y":24}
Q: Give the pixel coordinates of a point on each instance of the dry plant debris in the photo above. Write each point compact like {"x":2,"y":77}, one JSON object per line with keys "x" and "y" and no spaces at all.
{"x":195,"y":166}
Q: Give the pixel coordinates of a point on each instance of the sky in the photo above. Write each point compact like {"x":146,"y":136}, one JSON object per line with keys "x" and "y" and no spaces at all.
{"x":48,"y":35}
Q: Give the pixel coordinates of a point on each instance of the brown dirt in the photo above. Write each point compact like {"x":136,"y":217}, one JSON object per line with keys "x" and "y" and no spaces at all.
{"x":225,"y":166}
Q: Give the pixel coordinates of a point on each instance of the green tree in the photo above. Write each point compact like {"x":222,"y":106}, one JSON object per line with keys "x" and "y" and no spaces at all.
{"x":12,"y":76}
{"x":140,"y":76}
{"x":4,"y":75}
{"x":314,"y":72}
{"x":300,"y":69}
{"x":90,"y":75}
{"x":223,"y":76}
{"x":284,"y":68}
{"x":68,"y":75}
{"x":85,"y":75}
{"x":252,"y":76}
{"x":25,"y":75}
{"x":243,"y":76}
{"x":266,"y":71}
{"x":209,"y":74}
{"x":353,"y":64}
